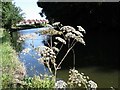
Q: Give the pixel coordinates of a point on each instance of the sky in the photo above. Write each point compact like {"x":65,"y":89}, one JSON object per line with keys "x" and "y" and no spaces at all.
{"x":30,"y":8}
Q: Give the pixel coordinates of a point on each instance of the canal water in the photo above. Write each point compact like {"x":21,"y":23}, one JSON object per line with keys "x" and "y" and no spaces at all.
{"x":104,"y":78}
{"x":33,"y":66}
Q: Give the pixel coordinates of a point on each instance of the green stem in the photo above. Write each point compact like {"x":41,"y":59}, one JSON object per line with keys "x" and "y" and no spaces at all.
{"x":73,"y":58}
{"x":72,"y":42}
{"x":59,"y":49}
{"x":68,"y":43}
{"x":49,"y":68}
{"x":55,"y":72}
{"x":66,"y":55}
{"x":51,"y":41}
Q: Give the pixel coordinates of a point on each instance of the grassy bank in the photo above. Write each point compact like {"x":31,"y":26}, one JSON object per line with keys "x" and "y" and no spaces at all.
{"x":11,"y":66}
{"x":13,"y":71}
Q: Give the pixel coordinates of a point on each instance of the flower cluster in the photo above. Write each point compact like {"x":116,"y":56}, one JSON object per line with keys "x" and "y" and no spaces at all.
{"x":60,"y":40}
{"x":67,"y":29}
{"x":92,"y":84}
{"x":55,"y":49}
{"x":47,"y":55}
{"x":50,"y":31}
{"x":56,"y":23}
{"x":27,"y":36}
{"x":81,"y":29}
{"x":75,"y":78}
{"x":60,"y":84}
{"x":71,"y":32}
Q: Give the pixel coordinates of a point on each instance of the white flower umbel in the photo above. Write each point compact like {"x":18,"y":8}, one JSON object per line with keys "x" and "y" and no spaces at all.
{"x":47,"y":56}
{"x":56,"y":23}
{"x":79,"y":79}
{"x":55,"y":49}
{"x":55,"y":43}
{"x":81,"y":29}
{"x":60,"y":84}
{"x":78,"y":33}
{"x":92,"y":84}
{"x":69,"y":35}
{"x":79,"y":39}
{"x":67,"y":29}
{"x":60,"y":39}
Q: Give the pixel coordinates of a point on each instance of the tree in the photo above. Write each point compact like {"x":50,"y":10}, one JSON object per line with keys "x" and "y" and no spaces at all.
{"x":101,"y":22}
{"x":10,"y":14}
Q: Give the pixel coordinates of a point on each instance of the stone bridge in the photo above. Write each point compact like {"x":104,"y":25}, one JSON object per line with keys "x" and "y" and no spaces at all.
{"x":32,"y":22}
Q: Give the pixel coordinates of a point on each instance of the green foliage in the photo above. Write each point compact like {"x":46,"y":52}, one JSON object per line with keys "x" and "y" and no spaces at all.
{"x":6,"y":80}
{"x":39,"y":82}
{"x":10,"y":14}
{"x":9,"y":60}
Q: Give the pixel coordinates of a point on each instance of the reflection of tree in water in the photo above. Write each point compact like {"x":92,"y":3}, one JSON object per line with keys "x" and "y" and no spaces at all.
{"x":14,"y":37}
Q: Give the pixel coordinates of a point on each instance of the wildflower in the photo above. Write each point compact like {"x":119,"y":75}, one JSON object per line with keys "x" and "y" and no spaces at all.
{"x":78,"y":33}
{"x":79,"y":39}
{"x":50,"y":31}
{"x":82,"y":73}
{"x":52,"y":53}
{"x":56,"y":49}
{"x":75,"y":71}
{"x":60,"y":84}
{"x":81,"y":29}
{"x":92,"y":84}
{"x":26,"y":50}
{"x":87,"y":77}
{"x":75,"y":78}
{"x":55,"y":43}
{"x":47,"y":58}
{"x":69,"y":35}
{"x":61,"y":40}
{"x":56,"y":23}
{"x":79,"y":85}
{"x":73,"y":36}
{"x":48,"y":55}
{"x":67,"y":29}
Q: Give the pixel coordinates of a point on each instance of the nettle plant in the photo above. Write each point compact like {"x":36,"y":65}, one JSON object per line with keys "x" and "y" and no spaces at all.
{"x":59,"y":36}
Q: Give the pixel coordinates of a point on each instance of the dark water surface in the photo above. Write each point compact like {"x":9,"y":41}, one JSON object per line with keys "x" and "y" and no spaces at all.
{"x":104,"y":78}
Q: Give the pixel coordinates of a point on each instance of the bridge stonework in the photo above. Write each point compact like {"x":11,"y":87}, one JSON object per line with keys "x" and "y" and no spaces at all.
{"x":32,"y":22}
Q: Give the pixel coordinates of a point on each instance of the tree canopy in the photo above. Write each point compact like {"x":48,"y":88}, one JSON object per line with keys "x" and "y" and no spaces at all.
{"x":11,"y":14}
{"x":101,"y":22}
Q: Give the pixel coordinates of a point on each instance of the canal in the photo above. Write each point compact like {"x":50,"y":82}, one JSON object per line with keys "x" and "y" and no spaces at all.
{"x":104,"y":78}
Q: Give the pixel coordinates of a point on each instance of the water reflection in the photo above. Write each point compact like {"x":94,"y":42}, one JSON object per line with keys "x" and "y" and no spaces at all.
{"x":103,"y":78}
{"x":33,"y":66}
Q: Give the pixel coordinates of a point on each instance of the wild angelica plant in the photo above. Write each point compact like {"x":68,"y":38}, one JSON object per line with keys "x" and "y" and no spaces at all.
{"x":62,"y":35}
{"x":77,"y":79}
{"x":70,"y":36}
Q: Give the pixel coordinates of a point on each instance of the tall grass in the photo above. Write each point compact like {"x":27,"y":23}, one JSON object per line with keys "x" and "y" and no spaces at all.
{"x":9,"y":65}
{"x":9,"y":61}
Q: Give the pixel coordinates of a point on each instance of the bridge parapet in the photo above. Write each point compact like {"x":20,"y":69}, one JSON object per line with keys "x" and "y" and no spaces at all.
{"x":32,"y":22}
